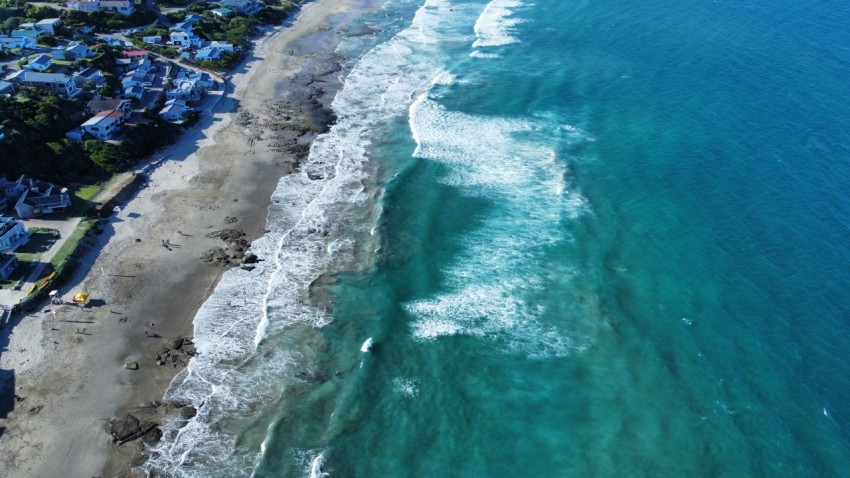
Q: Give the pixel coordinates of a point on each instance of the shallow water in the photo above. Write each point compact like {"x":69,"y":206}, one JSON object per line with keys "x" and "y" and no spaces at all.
{"x":584,"y":239}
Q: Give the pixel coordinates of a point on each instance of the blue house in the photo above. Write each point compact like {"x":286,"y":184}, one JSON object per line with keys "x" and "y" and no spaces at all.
{"x":208,"y":54}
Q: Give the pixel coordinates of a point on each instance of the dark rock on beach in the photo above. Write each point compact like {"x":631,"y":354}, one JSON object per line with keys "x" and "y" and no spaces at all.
{"x":123,"y":428}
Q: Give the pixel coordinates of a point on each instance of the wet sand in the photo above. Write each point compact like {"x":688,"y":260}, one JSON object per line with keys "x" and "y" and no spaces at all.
{"x":146,"y":271}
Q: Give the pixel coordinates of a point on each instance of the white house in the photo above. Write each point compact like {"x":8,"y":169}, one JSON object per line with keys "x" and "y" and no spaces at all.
{"x":221,"y":45}
{"x":6,"y":88}
{"x":201,"y":80}
{"x":153,"y":39}
{"x":185,"y":90}
{"x":123,"y":7}
{"x":84,"y":5}
{"x":174,"y":110}
{"x":104,"y":125}
{"x":184,"y":39}
{"x":13,"y":234}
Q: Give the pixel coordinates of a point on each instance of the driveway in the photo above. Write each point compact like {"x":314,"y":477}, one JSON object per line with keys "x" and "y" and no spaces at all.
{"x":9,"y":297}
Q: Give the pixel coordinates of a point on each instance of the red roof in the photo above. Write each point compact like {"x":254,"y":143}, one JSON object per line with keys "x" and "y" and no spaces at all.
{"x":114,"y":114}
{"x":135,"y":53}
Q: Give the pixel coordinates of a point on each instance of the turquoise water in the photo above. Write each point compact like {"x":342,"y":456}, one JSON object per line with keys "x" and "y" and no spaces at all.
{"x":575,"y":239}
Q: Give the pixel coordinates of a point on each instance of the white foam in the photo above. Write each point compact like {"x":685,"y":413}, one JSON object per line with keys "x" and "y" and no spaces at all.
{"x":480,"y":54}
{"x":407,"y":387}
{"x":316,"y":467}
{"x":495,"y":27}
{"x":367,"y":345}
{"x":487,"y":288}
{"x":247,"y":308}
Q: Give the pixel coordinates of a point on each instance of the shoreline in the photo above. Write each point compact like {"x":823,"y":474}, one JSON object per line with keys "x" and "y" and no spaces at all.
{"x":69,"y":368}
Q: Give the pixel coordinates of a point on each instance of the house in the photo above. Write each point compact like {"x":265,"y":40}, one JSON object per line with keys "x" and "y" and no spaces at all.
{"x":222,"y":45}
{"x":123,"y":7}
{"x":89,"y":75}
{"x":17,"y":42}
{"x":208,"y":54}
{"x":104,"y":125}
{"x":247,"y":7}
{"x":153,"y":39}
{"x":25,"y":32}
{"x":79,"y":50}
{"x":185,"y":90}
{"x":201,"y":80}
{"x":222,"y":12}
{"x":136,"y":92}
{"x":6,"y":88}
{"x":13,"y":234}
{"x":8,"y":263}
{"x":108,"y":104}
{"x":123,"y":64}
{"x":62,"y":84}
{"x":134,"y":78}
{"x":135,"y":54}
{"x":183,"y":27}
{"x":12,"y":190}
{"x":48,"y":25}
{"x":184,"y":39}
{"x":192,"y":18}
{"x":40,"y":198}
{"x":145,"y":65}
{"x":174,"y":110}
{"x":76,"y":134}
{"x":84,"y":5}
{"x":40,"y":63}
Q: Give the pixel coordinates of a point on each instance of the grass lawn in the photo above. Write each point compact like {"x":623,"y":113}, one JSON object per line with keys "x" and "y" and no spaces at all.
{"x":70,"y":244}
{"x":40,"y":242}
{"x":82,"y":198}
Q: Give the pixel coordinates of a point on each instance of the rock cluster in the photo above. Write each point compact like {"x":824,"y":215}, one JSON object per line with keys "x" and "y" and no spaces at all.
{"x":236,"y":250}
{"x":179,"y":350}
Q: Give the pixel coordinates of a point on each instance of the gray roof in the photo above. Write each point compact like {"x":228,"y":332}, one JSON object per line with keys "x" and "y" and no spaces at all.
{"x":35,"y":76}
{"x":42,"y":60}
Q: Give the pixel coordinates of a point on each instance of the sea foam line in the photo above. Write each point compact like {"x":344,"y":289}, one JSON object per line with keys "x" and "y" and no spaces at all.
{"x":495,"y":27}
{"x":488,"y":289}
{"x":221,"y":382}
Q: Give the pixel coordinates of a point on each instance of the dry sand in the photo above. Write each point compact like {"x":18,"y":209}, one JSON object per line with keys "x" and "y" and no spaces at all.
{"x":68,"y":369}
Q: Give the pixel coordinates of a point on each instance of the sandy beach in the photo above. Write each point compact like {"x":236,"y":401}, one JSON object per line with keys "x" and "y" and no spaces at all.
{"x":75,"y":368}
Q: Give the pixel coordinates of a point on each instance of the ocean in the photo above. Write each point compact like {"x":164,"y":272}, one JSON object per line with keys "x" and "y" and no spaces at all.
{"x":549,"y":238}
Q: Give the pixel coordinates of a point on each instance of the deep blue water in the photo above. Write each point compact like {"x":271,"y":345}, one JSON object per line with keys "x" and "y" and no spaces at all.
{"x":602,"y":238}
